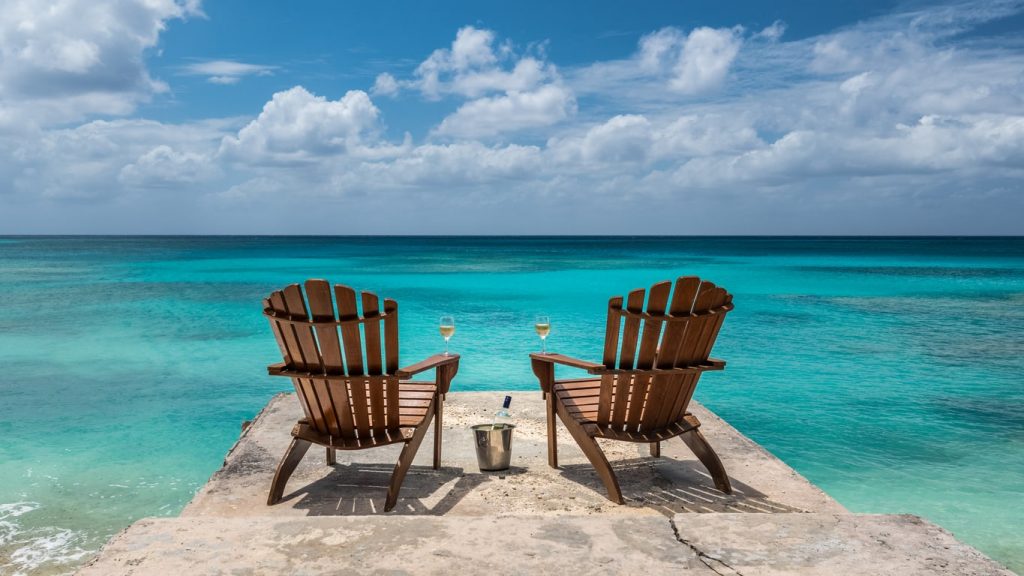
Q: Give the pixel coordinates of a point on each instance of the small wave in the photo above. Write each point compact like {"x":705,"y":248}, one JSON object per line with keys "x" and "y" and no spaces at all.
{"x":56,"y":548}
{"x":25,"y":550}
{"x":8,"y":529}
{"x":15,"y":509}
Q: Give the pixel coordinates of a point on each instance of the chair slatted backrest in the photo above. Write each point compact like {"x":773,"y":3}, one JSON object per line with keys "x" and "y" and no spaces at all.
{"x":355,"y":352}
{"x":676,"y":329}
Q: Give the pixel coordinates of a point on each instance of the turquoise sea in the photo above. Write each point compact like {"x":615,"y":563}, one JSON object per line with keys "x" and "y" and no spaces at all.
{"x":889,"y":371}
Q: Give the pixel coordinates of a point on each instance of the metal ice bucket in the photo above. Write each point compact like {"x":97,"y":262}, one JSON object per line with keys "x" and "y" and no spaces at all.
{"x":493,"y":446}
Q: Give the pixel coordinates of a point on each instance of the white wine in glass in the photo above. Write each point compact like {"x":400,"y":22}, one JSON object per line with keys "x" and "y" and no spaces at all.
{"x":447,"y":328}
{"x":542,"y":324}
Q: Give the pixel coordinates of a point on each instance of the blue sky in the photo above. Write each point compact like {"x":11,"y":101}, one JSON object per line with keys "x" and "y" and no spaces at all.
{"x":181,"y":116}
{"x":330,"y":47}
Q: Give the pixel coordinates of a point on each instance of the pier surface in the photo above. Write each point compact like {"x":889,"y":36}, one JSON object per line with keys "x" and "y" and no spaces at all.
{"x":530,"y":519}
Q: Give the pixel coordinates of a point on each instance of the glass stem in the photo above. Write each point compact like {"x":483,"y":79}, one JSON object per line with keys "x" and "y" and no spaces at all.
{"x":543,"y":345}
{"x":445,"y":346}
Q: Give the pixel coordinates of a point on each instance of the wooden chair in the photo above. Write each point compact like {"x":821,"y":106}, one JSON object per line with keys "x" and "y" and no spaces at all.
{"x":349,"y":403}
{"x":641,"y":390}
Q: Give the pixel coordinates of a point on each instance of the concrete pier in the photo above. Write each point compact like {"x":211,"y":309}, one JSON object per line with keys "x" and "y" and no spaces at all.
{"x":531,"y":519}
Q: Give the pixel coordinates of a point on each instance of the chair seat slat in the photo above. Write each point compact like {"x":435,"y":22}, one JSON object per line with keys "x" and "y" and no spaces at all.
{"x":680,"y":308}
{"x":288,"y":341}
{"x":390,"y":336}
{"x":643,"y":395}
{"x":371,"y":311}
{"x":296,"y":306}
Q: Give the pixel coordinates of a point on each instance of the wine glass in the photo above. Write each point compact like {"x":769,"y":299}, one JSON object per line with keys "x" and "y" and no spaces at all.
{"x":447,"y":327}
{"x":542,"y":324}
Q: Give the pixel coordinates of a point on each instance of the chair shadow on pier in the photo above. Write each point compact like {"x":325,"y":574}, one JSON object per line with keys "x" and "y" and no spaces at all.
{"x":356,"y":489}
{"x":671,"y":486}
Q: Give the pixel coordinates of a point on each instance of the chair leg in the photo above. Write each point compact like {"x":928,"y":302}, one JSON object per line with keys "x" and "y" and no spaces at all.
{"x":438,"y":427}
{"x":656,"y":449}
{"x":593,"y":453}
{"x":552,"y":431}
{"x":700,"y":447}
{"x":296,"y":450}
{"x":406,"y":458}
{"x":332,"y":457}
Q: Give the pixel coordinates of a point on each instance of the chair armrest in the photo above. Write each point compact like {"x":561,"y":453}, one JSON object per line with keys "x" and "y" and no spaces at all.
{"x":276,"y":369}
{"x":544,"y":368}
{"x":711,"y":364}
{"x":567,"y":361}
{"x":434,"y":361}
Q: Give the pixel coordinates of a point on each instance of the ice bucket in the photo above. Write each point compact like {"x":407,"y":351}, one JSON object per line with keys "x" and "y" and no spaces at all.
{"x":493,"y":446}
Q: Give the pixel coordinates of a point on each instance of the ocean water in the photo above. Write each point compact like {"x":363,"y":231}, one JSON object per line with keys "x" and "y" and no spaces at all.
{"x":889,"y":371}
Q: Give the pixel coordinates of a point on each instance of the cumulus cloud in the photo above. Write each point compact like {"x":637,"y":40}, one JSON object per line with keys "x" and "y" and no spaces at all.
{"x":63,"y":61}
{"x":472,"y":53}
{"x":296,"y":125}
{"x":509,"y":112}
{"x":691,"y":63}
{"x":506,"y":91}
{"x":931,"y":146}
{"x":704,"y":59}
{"x":97,"y":160}
{"x":671,"y":62}
{"x":636,"y":139}
{"x":385,"y":85}
{"x":623,"y":138}
{"x":226,"y":71}
{"x":165,"y":167}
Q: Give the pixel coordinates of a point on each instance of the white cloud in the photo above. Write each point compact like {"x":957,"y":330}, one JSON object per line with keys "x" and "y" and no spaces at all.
{"x":857,"y":84}
{"x":658,"y":50}
{"x":939,"y":146}
{"x":472,"y":48}
{"x":510,"y":112}
{"x":474,"y":66}
{"x":226,"y":71}
{"x":438,"y":166}
{"x":508,"y":92}
{"x":623,"y":138}
{"x":527,"y":74}
{"x":63,"y":61}
{"x":94,"y":161}
{"x":705,"y":135}
{"x":668,"y":64}
{"x":773,"y":32}
{"x":165,"y":167}
{"x":385,"y":85}
{"x":471,"y":53}
{"x":632,"y":138}
{"x":297,"y":126}
{"x":704,"y":59}
{"x":831,"y":55}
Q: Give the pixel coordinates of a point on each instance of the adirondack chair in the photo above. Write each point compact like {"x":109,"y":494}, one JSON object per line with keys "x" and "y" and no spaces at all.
{"x":349,"y":404}
{"x":640,"y":392}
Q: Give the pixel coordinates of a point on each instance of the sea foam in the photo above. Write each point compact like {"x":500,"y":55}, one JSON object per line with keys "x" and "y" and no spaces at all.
{"x":24,"y":550}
